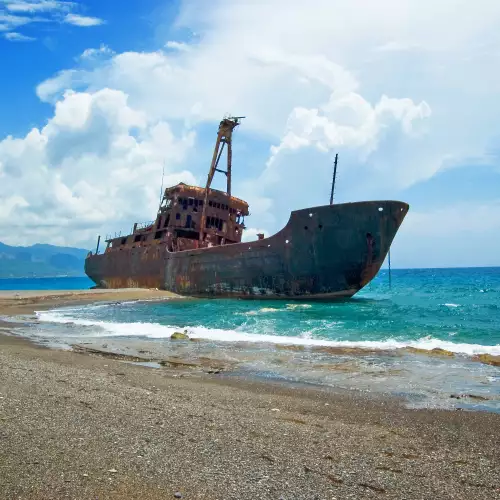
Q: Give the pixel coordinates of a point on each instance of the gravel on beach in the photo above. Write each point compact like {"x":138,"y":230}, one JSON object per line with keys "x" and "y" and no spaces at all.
{"x":84,"y":426}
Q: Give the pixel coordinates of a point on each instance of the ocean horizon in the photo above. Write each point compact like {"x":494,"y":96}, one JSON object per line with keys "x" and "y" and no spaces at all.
{"x":84,"y":282}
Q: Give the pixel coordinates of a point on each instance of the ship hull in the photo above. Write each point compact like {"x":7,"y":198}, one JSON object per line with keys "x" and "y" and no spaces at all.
{"x":324,"y":253}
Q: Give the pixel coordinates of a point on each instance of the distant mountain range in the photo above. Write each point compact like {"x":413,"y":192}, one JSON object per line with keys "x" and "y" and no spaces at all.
{"x":41,"y":261}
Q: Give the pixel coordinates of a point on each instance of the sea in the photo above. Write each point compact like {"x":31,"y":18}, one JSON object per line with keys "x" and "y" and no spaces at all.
{"x":416,"y":334}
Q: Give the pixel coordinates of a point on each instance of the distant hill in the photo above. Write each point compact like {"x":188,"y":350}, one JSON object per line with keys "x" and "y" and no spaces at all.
{"x":41,"y":261}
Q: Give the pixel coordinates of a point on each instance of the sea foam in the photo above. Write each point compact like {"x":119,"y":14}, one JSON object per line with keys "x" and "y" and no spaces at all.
{"x":158,"y":331}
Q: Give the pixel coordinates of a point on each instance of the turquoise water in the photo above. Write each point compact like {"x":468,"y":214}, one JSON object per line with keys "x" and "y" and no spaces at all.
{"x":308,"y":342}
{"x":454,"y":309}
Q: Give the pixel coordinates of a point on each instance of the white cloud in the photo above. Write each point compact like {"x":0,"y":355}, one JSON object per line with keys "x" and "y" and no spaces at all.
{"x":180,"y":46}
{"x":97,"y":159}
{"x":9,"y":21}
{"x":312,"y":65}
{"x":348,"y":121}
{"x":102,"y":52}
{"x":251,"y":234}
{"x":38,"y":6}
{"x":17,"y":13}
{"x":83,"y":21}
{"x":18,"y":37}
{"x":394,"y":46}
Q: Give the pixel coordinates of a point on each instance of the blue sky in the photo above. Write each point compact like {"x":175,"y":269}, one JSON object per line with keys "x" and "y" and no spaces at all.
{"x":97,"y":99}
{"x":57,"y":44}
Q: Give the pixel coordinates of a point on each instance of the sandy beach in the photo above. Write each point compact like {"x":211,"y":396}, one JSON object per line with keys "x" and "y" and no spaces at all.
{"x":76,"y":425}
{"x":27,"y":301}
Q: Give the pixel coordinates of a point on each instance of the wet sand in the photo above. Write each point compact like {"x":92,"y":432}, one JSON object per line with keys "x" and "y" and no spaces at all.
{"x":27,"y":301}
{"x":78,"y":425}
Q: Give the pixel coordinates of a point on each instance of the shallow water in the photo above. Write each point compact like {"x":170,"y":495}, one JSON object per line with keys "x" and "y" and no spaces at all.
{"x":453,"y":309}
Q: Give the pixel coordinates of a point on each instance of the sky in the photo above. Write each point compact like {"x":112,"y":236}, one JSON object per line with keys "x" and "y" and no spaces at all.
{"x":96,"y":100}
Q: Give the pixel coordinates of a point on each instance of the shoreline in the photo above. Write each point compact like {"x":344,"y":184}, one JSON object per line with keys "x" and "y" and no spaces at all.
{"x":15,"y":302}
{"x":203,"y":355}
{"x":86,"y":426}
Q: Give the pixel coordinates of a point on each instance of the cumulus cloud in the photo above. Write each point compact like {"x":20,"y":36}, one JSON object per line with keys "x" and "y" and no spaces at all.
{"x":349,"y":121}
{"x":332,"y":82}
{"x":97,"y":159}
{"x":101,"y":53}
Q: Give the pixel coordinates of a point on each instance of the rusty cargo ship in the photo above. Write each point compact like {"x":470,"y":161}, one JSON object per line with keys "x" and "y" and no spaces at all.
{"x":194,"y":246}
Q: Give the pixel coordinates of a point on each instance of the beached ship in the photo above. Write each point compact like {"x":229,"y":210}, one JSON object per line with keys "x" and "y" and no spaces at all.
{"x":194,"y":246}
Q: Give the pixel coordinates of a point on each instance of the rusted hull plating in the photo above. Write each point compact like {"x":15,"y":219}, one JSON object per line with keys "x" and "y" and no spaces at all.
{"x":323,"y":252}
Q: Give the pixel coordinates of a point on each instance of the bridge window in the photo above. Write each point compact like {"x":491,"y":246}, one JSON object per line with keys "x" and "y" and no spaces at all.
{"x":177,"y":216}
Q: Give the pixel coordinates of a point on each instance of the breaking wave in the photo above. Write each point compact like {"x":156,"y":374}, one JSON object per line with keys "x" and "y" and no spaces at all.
{"x":158,"y":331}
{"x":264,"y":310}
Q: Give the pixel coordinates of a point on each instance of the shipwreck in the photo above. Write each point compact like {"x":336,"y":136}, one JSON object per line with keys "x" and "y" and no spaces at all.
{"x":194,"y":246}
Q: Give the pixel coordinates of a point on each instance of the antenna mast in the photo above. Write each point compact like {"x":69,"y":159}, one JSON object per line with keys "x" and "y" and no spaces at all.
{"x":224,"y":137}
{"x":334,"y":176}
{"x":161,"y":189}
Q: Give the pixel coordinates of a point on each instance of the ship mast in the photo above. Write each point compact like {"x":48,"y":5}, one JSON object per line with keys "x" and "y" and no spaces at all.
{"x":224,"y":137}
{"x":334,"y":178}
